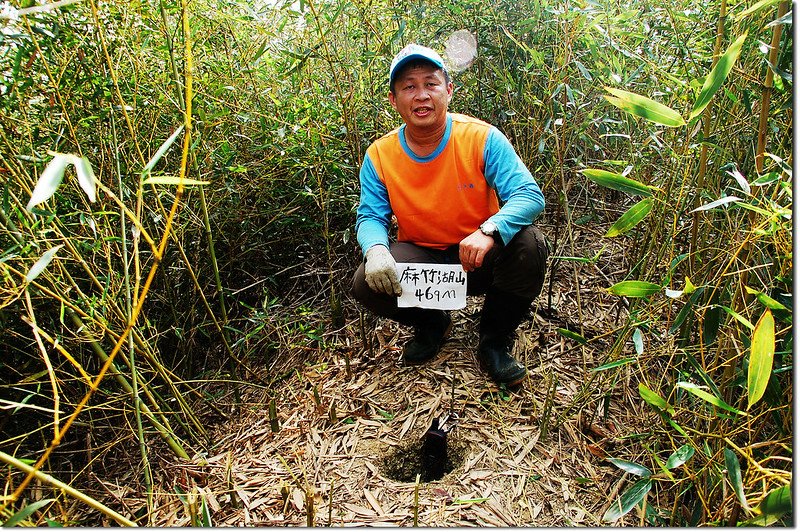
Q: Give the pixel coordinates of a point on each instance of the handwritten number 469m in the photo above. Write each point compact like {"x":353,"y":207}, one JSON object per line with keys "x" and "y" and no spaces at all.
{"x":432,"y":294}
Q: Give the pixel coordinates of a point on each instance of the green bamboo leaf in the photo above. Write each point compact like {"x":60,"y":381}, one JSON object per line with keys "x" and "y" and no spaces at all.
{"x":749,"y":207}
{"x":766,"y":179}
{"x":631,"y":217}
{"x":631,"y":467}
{"x":385,"y":415}
{"x":617,"y":182}
{"x":639,"y":105}
{"x":161,"y":151}
{"x":634,"y":288}
{"x":40,"y":265}
{"x":653,"y":399}
{"x":172,"y":180}
{"x":680,"y":457}
{"x":777,"y":503}
{"x":686,"y":310}
{"x":628,"y":500}
{"x":676,"y":427}
{"x":767,"y":301}
{"x":785,"y":19}
{"x":24,"y":513}
{"x":741,"y":319}
{"x":758,"y":6}
{"x":683,"y":313}
{"x":705,"y":396}
{"x":205,"y":514}
{"x":717,"y":76}
{"x":741,"y":180}
{"x":571,"y":335}
{"x":616,"y":363}
{"x":762,"y":351}
{"x":688,"y":287}
{"x":471,"y":501}
{"x":735,"y":476}
{"x":181,"y":493}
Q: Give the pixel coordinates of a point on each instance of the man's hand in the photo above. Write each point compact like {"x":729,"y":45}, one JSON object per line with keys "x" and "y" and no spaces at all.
{"x":473,"y":249}
{"x":381,"y":271}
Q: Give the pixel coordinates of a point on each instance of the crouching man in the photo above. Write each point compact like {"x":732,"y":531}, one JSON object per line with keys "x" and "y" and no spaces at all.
{"x":444,"y":176}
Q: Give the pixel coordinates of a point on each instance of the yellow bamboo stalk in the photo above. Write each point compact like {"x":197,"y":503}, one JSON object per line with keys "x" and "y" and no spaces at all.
{"x":60,"y":348}
{"x":48,"y":364}
{"x":766,"y":92}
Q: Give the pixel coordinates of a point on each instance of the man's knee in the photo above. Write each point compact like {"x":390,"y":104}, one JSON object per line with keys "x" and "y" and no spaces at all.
{"x":522,"y":268}
{"x":533,"y":249}
{"x":379,"y":303}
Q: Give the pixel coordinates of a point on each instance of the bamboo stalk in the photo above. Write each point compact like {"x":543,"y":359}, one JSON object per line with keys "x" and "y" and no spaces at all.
{"x":365,"y":339}
{"x":416,"y":501}
{"x":544,"y":421}
{"x":217,"y":280}
{"x":330,"y":504}
{"x":143,"y":347}
{"x":309,"y":506}
{"x":148,"y":476}
{"x":334,"y":299}
{"x":766,"y":91}
{"x":742,"y":298}
{"x":560,"y":149}
{"x":221,"y":327}
{"x":274,"y":424}
{"x":50,"y":372}
{"x":701,"y":173}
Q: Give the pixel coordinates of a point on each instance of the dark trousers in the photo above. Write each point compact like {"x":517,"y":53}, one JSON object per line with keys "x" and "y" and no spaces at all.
{"x":516,"y":269}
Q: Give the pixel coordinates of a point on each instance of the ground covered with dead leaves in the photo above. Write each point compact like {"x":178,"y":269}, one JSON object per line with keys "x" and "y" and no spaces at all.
{"x":528,"y":457}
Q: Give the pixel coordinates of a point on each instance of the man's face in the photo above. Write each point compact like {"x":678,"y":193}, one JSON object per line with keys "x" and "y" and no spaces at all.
{"x":421,"y":96}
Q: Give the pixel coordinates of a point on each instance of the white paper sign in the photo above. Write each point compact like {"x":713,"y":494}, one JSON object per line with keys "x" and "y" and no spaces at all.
{"x":442,"y":286}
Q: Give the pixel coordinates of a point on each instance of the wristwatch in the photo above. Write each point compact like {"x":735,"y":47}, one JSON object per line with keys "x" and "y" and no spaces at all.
{"x":488,"y":228}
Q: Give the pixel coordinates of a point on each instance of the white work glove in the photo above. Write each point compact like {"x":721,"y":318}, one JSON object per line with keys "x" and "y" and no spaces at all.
{"x":381,"y":271}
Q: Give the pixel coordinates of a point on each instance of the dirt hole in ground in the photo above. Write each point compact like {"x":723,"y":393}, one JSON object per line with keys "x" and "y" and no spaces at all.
{"x":412,"y":457}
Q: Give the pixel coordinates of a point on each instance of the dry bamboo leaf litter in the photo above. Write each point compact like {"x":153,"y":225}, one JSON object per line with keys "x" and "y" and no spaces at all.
{"x":509,"y":475}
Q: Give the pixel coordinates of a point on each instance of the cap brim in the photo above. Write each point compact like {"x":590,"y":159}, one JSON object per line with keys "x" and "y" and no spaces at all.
{"x":403,"y":62}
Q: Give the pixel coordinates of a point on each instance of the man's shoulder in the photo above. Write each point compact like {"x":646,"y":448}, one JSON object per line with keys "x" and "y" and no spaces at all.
{"x":470,"y":129}
{"x":385,"y":146}
{"x":463,"y":119}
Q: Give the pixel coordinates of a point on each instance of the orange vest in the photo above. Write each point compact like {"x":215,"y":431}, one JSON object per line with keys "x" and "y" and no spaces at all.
{"x":437,"y":202}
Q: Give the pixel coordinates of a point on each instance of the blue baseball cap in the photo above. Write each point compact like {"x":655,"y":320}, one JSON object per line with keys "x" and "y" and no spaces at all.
{"x":411,"y":52}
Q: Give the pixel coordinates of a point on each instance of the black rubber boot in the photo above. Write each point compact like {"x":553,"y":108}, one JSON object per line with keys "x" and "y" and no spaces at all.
{"x":501,"y":315}
{"x":430,"y":329}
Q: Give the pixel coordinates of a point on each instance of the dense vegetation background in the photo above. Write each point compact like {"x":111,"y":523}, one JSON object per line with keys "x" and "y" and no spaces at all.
{"x":132,"y":322}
